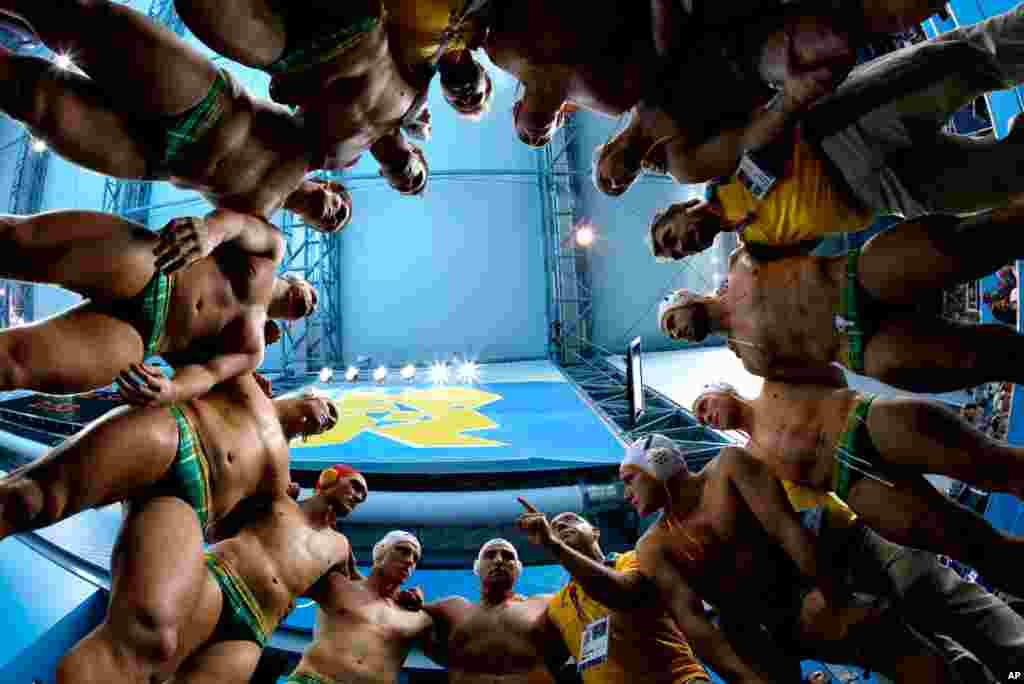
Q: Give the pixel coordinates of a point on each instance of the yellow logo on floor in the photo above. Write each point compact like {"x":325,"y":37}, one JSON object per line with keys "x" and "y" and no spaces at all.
{"x":436,"y":417}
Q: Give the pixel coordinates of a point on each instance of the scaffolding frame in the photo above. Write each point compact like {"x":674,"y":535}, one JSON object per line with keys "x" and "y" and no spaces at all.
{"x":570,"y":315}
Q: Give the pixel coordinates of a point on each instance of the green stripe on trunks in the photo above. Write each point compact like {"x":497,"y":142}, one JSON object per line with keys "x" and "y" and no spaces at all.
{"x":190,"y":468}
{"x":245,"y":611}
{"x":316,"y":50}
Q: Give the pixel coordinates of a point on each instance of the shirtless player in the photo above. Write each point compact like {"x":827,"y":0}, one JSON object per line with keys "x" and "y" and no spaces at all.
{"x":363,"y":635}
{"x":790,"y":317}
{"x":211,"y":453}
{"x":167,"y":113}
{"x":199,"y":294}
{"x":333,"y":60}
{"x":504,"y":638}
{"x":207,"y":615}
{"x":719,"y":540}
{"x":873,"y":452}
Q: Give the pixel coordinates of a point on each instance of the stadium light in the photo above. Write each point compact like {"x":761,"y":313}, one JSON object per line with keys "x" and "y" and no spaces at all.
{"x":469,"y":372}
{"x":38,"y":145}
{"x":408,"y":371}
{"x":326,"y":374}
{"x":352,"y":374}
{"x":585,"y":235}
{"x":380,"y":374}
{"x":439,"y":372}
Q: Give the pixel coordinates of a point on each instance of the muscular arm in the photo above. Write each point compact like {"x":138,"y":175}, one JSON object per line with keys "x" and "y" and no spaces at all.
{"x":617,"y":590}
{"x":251,"y":234}
{"x":195,"y":380}
{"x":436,"y":646}
{"x":688,"y":611}
{"x":764,"y":496}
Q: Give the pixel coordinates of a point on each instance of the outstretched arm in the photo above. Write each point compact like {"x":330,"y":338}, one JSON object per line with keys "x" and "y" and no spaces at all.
{"x":184,"y":241}
{"x":688,"y":611}
{"x":617,"y":590}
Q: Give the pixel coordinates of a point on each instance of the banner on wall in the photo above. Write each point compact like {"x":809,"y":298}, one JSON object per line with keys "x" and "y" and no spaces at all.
{"x":459,"y":428}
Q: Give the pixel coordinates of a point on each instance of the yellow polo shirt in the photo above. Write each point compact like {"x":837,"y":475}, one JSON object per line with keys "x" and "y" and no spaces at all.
{"x":803,"y":205}
{"x":802,"y":498}
{"x":644,"y":647}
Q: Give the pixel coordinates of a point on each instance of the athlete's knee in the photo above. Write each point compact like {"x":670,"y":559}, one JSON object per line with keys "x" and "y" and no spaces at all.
{"x":149,"y":628}
{"x":15,"y":371}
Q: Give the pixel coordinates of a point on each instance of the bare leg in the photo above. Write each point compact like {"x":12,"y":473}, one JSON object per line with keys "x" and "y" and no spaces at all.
{"x":138,"y":63}
{"x":914,"y":513}
{"x":890,"y":16}
{"x":100,"y":256}
{"x":254,"y":32}
{"x":919,"y":257}
{"x":163,"y":602}
{"x":226,"y":662}
{"x":929,"y":438}
{"x":72,"y":114}
{"x":114,"y":459}
{"x":928,"y":354}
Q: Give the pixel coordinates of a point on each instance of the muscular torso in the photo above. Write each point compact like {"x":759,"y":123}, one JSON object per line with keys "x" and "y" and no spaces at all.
{"x":796,"y":428}
{"x":243,"y":441}
{"x":215,"y":304}
{"x":251,"y":160}
{"x":281,"y":555}
{"x":723,"y":552}
{"x":361,"y":638}
{"x":603,"y":65}
{"x":494,"y":645}
{"x":365,"y":97}
{"x":783,"y":311}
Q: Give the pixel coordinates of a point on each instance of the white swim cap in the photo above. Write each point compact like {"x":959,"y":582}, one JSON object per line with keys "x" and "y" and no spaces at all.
{"x":672,"y":301}
{"x":497,"y":541}
{"x":656,"y":455}
{"x":394,"y":537}
{"x":716,"y":387}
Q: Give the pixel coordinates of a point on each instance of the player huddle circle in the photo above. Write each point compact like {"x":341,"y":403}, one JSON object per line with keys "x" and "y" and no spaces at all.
{"x":819,"y":538}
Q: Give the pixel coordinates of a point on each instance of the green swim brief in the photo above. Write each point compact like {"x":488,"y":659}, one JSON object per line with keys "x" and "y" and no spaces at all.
{"x":853,"y":319}
{"x":856,"y":456}
{"x":296,"y":678}
{"x":177,"y":133}
{"x":241,"y":618}
{"x":154,"y":302}
{"x":190,"y":473}
{"x":323,"y":44}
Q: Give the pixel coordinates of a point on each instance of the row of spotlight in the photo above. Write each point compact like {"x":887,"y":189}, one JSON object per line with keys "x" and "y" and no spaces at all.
{"x":439,"y":373}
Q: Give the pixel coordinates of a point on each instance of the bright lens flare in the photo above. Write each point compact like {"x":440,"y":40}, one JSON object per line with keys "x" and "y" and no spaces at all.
{"x":38,"y":145}
{"x":64,"y":62}
{"x":326,"y":374}
{"x":469,"y":372}
{"x":585,"y":235}
{"x":439,"y":372}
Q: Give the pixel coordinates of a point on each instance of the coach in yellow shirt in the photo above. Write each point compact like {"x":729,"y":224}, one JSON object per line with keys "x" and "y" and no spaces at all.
{"x":636,"y":646}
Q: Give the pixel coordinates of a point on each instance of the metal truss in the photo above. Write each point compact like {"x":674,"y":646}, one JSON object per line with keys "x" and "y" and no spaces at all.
{"x":570,"y":297}
{"x":604,"y":388}
{"x":570,"y":315}
{"x":317,"y":258}
{"x":16,"y":302}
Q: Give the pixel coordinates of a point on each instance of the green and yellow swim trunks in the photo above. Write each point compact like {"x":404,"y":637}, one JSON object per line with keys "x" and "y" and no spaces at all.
{"x":241,"y":618}
{"x":190,"y":473}
{"x":854,"y":320}
{"x":176,"y":134}
{"x":322,"y":43}
{"x":856,"y":456}
{"x":306,"y":678}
